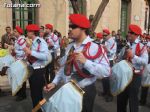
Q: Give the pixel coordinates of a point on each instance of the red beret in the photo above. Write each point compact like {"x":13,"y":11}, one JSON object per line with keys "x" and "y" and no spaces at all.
{"x":106,"y":31}
{"x":19,"y":29}
{"x":49,"y":26}
{"x":135,"y":29}
{"x":99,"y":35}
{"x":32,"y":27}
{"x":80,"y":20}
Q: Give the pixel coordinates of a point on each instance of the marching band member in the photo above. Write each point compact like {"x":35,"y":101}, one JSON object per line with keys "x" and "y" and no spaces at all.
{"x":99,"y":38}
{"x":144,"y":90}
{"x":84,"y":61}
{"x":41,"y":34}
{"x":7,"y":39}
{"x":53,"y":43}
{"x":37,"y":56}
{"x":19,"y":54}
{"x":139,"y":58}
{"x":110,"y":47}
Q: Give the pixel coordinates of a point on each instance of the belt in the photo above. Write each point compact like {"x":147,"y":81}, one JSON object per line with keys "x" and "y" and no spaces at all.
{"x":137,"y":72}
{"x":38,"y":67}
{"x":88,"y":86}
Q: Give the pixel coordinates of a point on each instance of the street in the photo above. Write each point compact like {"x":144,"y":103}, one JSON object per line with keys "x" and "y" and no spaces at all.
{"x":8,"y":103}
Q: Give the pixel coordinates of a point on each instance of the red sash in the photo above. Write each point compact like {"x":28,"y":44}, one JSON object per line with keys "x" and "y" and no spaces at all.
{"x":138,"y":52}
{"x":88,"y":56}
{"x":13,"y":53}
{"x":53,"y":38}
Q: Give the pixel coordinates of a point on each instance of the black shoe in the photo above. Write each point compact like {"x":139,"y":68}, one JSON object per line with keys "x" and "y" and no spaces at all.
{"x":18,"y":98}
{"x":142,"y":103}
{"x":108,"y":98}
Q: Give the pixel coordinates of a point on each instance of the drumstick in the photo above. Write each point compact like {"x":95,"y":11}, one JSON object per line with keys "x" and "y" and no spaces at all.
{"x":46,"y":84}
{"x":38,"y":106}
{"x":73,"y":54}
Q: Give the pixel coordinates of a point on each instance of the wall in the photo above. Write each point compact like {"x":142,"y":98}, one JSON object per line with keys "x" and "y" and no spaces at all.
{"x":54,"y":12}
{"x":5,"y":16}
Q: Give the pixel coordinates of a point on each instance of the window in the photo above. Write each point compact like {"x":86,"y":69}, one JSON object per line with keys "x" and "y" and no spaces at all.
{"x":23,"y":16}
{"x":124,"y":17}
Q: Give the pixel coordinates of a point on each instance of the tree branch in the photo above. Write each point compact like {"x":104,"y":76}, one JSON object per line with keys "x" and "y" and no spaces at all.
{"x":99,"y":13}
{"x":75,"y":6}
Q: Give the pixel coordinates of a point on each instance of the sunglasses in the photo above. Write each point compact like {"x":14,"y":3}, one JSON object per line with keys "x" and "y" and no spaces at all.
{"x":105,"y":35}
{"x":131,"y":32}
{"x":72,"y":26}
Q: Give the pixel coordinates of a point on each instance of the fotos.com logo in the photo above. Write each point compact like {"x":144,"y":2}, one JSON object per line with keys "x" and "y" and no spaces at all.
{"x":18,"y":4}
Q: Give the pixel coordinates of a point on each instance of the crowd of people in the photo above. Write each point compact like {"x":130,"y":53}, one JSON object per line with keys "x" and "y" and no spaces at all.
{"x":93,"y":57}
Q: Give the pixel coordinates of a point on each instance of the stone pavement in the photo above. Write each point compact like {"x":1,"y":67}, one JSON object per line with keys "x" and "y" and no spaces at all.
{"x":8,"y":103}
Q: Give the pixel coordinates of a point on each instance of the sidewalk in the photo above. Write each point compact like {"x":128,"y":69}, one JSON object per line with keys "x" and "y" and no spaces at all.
{"x":4,"y":83}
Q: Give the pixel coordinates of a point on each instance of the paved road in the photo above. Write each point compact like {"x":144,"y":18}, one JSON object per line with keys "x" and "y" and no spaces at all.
{"x":8,"y":104}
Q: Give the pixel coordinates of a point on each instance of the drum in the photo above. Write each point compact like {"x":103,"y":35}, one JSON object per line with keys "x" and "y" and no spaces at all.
{"x":4,"y":52}
{"x":6,"y":61}
{"x":121,"y":77}
{"x":146,"y":76}
{"x":18,"y":73}
{"x":67,"y":99}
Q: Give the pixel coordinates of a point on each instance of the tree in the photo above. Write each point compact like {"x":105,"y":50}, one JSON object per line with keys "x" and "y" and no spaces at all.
{"x":149,"y":19}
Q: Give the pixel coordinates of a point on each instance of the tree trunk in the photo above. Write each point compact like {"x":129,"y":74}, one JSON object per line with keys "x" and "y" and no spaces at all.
{"x":75,"y":6}
{"x":149,"y":19}
{"x":99,"y":13}
{"x":83,"y":9}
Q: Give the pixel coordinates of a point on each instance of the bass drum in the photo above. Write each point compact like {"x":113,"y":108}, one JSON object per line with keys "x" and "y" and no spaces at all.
{"x":18,"y":73}
{"x":67,"y":99}
{"x":121,"y":77}
{"x":146,"y":76}
{"x":6,"y":61}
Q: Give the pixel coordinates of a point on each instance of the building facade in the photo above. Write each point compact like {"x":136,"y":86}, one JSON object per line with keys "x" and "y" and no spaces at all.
{"x":118,"y":14}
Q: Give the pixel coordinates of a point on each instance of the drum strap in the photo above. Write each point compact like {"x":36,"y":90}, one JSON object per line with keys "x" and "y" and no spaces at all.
{"x":21,"y":43}
{"x":52,"y":37}
{"x":86,"y":52}
{"x":69,"y":66}
{"x":139,"y":50}
{"x":103,"y":53}
{"x":112,"y":46}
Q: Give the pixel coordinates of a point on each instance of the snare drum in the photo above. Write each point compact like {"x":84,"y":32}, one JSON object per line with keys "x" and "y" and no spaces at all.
{"x":4,"y":52}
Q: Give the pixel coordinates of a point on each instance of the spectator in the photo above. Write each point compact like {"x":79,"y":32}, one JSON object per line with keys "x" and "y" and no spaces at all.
{"x":7,"y":39}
